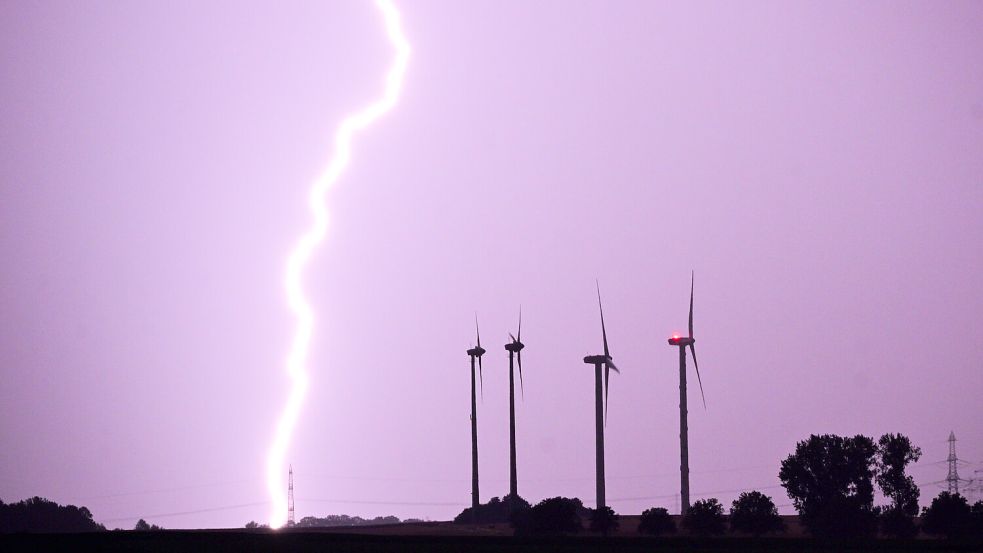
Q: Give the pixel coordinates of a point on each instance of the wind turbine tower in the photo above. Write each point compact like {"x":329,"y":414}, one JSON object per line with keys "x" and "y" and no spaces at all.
{"x":682,"y":342}
{"x":515,"y":354}
{"x":475,"y":353}
{"x":600,"y":402}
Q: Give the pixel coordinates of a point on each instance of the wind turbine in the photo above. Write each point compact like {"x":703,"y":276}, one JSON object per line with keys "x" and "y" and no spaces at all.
{"x":515,"y":351}
{"x":682,"y":342}
{"x":475,"y":352}
{"x":600,"y":401}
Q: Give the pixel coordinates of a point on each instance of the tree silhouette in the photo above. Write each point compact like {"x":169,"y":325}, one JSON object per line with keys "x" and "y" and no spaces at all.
{"x":705,"y":518}
{"x":949,"y":515}
{"x":604,"y":520}
{"x":755,"y":513}
{"x":894,"y":453}
{"x":656,"y":522}
{"x":142,"y":526}
{"x":41,"y":515}
{"x":976,"y":518}
{"x":557,"y":515}
{"x":830,"y":481}
{"x":494,"y":511}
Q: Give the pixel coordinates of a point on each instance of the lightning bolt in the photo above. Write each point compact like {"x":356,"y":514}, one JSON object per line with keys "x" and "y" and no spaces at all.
{"x":300,"y":255}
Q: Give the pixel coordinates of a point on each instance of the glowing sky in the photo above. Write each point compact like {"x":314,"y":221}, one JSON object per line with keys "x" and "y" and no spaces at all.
{"x":817,"y":164}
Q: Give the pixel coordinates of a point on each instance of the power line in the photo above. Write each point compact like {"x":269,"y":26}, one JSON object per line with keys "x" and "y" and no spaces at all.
{"x":404,"y":503}
{"x":194,"y":512}
{"x":409,"y":479}
{"x":450,"y":503}
{"x":566,"y":479}
{"x":165,"y":490}
{"x":698,"y":494}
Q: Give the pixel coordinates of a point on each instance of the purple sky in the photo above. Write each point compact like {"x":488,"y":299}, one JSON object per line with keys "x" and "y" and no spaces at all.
{"x":819,"y":165}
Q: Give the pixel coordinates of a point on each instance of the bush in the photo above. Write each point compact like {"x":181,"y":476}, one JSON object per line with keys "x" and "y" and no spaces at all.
{"x":755,"y":513}
{"x":557,"y":515}
{"x":494,"y":511}
{"x":896,"y":523}
{"x":705,"y":518}
{"x":604,"y":520}
{"x":656,"y":522}
{"x":949,"y":515}
{"x":842,"y":518}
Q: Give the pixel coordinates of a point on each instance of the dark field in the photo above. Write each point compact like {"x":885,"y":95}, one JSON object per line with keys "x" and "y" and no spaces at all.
{"x":241,"y":541}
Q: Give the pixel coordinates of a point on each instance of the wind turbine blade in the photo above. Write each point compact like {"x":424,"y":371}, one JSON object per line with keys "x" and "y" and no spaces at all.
{"x":481,"y":378}
{"x":512,"y":337}
{"x":604,"y":332}
{"x":519,"y":337}
{"x":521,"y":388}
{"x":476,"y":331}
{"x":691,"y":279}
{"x":607,"y":377}
{"x":692,"y":349}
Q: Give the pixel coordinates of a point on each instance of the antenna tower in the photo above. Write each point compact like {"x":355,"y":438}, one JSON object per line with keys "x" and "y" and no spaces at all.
{"x":953,"y":477}
{"x":290,"y":497}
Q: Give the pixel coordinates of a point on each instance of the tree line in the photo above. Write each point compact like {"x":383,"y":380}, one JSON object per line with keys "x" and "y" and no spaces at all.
{"x":38,"y":514}
{"x":331,"y":521}
{"x":830,"y":479}
{"x":43,"y":516}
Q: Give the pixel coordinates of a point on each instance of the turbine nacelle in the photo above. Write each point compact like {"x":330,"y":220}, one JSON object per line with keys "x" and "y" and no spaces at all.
{"x":688,"y":341}
{"x":598,"y":360}
{"x":478,"y":351}
{"x":515,"y":347}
